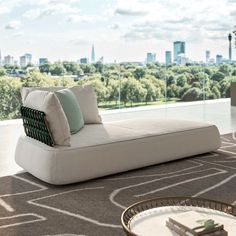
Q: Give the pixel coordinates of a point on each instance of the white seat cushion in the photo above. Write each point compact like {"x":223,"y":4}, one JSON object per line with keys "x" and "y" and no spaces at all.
{"x":99,"y":150}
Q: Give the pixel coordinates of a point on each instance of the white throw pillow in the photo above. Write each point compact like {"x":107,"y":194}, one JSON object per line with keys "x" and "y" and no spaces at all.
{"x":26,"y":90}
{"x":57,"y":121}
{"x":87,"y":99}
{"x":85,"y":95}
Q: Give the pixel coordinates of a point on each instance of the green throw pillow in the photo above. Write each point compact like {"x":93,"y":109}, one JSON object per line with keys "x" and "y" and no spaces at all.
{"x":72,"y":110}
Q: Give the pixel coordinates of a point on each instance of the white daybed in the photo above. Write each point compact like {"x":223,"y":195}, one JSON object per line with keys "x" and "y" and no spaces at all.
{"x":104,"y":149}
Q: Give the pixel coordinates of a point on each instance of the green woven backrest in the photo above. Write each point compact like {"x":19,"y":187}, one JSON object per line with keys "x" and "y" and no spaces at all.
{"x":35,"y":125}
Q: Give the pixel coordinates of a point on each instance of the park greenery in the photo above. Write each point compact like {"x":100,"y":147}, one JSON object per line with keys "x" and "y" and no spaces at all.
{"x":119,"y":85}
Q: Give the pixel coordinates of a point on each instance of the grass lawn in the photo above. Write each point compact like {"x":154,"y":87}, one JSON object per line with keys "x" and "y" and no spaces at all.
{"x":112,"y":105}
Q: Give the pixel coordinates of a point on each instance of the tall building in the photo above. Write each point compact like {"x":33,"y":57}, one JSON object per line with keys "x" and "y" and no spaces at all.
{"x":219,"y":59}
{"x":208,"y":55}
{"x":8,"y":60}
{"x":182,"y":59}
{"x":151,"y":57}
{"x":83,"y":60}
{"x":23,"y":61}
{"x":43,"y":61}
{"x":93,"y":55}
{"x":168,"y":58}
{"x":26,"y":60}
{"x":234,"y":32}
{"x":230,"y":47}
{"x":0,"y":58}
{"x":179,"y":48}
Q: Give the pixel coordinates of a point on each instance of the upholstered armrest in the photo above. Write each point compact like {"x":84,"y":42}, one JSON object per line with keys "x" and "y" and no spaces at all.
{"x":35,"y":125}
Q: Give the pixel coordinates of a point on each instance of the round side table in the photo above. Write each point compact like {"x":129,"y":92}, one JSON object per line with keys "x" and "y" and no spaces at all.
{"x":148,"y":218}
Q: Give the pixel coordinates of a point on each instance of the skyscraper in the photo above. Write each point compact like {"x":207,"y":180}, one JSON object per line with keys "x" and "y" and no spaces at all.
{"x":151,"y":57}
{"x":208,"y":55}
{"x":83,"y":60}
{"x":23,"y":61}
{"x":28,"y":57}
{"x":26,"y":60}
{"x":8,"y":60}
{"x":43,"y":61}
{"x":179,"y":48}
{"x":92,"y":55}
{"x":234,"y":32}
{"x":0,"y":58}
{"x":168,"y":58}
{"x":219,"y":59}
{"x":230,"y":47}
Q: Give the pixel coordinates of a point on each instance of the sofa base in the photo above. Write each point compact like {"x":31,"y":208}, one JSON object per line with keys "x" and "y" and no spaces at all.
{"x":69,"y":165}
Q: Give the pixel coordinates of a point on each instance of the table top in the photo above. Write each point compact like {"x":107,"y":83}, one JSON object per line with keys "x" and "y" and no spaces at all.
{"x":152,"y":222}
{"x":148,"y":217}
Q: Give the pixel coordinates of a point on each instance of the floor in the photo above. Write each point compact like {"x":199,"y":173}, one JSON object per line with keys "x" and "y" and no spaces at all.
{"x":218,"y":112}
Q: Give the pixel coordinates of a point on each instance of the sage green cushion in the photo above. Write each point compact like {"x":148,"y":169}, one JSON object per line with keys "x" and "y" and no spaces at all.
{"x":71,"y":109}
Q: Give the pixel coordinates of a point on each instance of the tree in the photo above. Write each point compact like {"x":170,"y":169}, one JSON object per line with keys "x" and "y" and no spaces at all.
{"x":113,"y":90}
{"x":201,"y":77}
{"x":37,"y":79}
{"x":132,"y":91}
{"x":10,"y":98}
{"x":99,"y":67}
{"x":170,"y":79}
{"x":71,"y":67}
{"x":217,"y":76}
{"x":57,"y":69}
{"x":100,"y":89}
{"x":152,"y":92}
{"x":64,"y":81}
{"x":225,"y":69}
{"x":197,"y":85}
{"x":139,"y":73}
{"x":3,"y":71}
{"x":225,"y":86}
{"x":181,"y":80}
{"x":183,"y":90}
{"x":45,"y":68}
{"x":214,"y":94}
{"x":88,"y":69}
{"x":173,"y":91}
{"x":193,"y":94}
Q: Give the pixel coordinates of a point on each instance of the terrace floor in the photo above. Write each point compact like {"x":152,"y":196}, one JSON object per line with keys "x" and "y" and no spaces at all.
{"x":218,"y":112}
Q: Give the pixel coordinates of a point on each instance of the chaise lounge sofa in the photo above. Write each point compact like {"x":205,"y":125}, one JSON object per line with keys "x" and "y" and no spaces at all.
{"x":103,"y":149}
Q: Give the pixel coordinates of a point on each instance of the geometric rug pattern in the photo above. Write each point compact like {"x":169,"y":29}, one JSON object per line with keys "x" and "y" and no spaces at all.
{"x":31,"y":207}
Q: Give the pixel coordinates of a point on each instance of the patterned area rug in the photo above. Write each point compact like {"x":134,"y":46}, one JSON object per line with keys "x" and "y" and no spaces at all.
{"x":93,"y":208}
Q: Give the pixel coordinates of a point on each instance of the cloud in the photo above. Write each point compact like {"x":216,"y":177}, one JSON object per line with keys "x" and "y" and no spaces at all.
{"x":58,"y":8}
{"x":79,"y":18}
{"x":115,"y":26}
{"x":193,"y":24}
{"x":130,"y":12}
{"x":4,"y":10}
{"x":218,"y":27}
{"x":130,"y":8}
{"x":233,"y":13}
{"x":181,"y":20}
{"x":35,"y":13}
{"x":217,"y":37}
{"x":79,"y":41}
{"x":12,"y":25}
{"x":18,"y":34}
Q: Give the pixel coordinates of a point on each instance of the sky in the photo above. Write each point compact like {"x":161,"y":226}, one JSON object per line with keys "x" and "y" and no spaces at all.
{"x":121,"y":30}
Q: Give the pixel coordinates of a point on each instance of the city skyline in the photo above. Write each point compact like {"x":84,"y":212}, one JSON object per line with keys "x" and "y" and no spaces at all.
{"x":179,"y":54}
{"x":120,"y":30}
